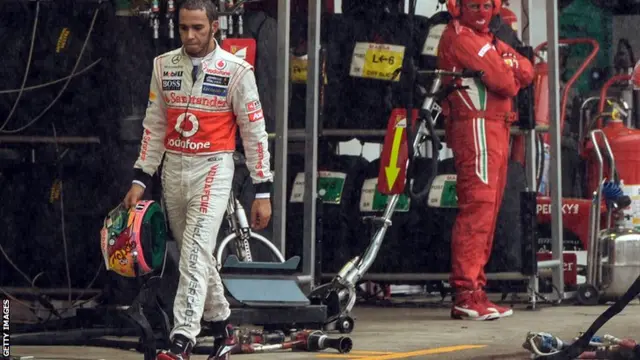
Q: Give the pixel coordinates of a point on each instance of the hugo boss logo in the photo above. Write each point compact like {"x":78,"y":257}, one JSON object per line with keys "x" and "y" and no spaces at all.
{"x":171,"y":84}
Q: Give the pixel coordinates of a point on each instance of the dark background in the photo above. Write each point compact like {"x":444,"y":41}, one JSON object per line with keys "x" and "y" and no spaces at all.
{"x":46,"y":186}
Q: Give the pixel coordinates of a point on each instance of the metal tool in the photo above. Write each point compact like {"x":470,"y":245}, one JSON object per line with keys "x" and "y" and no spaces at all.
{"x":340,"y":294}
{"x":316,"y":340}
{"x":171,"y":9}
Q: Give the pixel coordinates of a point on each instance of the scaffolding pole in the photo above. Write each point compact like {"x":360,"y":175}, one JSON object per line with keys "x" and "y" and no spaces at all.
{"x":282,"y":125}
{"x":555,"y":173}
{"x":311,"y":145}
{"x":530,"y":146}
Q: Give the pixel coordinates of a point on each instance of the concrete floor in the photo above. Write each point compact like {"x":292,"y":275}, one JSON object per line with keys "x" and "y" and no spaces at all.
{"x":385,"y":333}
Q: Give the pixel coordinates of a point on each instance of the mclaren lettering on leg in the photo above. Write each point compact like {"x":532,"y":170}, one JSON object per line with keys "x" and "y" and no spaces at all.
{"x":192,"y":290}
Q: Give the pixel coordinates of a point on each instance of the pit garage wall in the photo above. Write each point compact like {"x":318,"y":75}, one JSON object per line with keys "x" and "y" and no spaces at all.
{"x":622,"y":26}
{"x":371,"y":151}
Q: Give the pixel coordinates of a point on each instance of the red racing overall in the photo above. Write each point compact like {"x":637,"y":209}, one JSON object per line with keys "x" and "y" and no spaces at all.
{"x":477,"y":130}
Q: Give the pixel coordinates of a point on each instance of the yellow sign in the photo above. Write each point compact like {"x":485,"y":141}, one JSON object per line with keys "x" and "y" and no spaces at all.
{"x":377,"y":61}
{"x":392,"y":170}
{"x":299,"y":66}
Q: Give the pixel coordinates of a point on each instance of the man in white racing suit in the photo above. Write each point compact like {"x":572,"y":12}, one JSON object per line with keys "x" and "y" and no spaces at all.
{"x":199,"y":96}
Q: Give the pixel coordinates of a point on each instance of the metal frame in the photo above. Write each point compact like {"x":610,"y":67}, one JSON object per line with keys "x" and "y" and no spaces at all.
{"x":555,"y":173}
{"x":311,"y":144}
{"x":282,"y":141}
{"x":530,"y":143}
{"x":311,"y":139}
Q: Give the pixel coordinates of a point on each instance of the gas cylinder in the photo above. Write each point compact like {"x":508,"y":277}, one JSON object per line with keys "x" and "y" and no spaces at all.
{"x":541,"y":96}
{"x":620,"y":259}
{"x":624,"y":144}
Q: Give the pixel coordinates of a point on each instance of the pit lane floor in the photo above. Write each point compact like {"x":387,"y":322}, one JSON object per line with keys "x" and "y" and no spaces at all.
{"x":386,"y":333}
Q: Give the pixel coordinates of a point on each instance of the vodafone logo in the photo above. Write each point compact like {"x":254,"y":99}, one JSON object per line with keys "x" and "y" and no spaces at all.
{"x":187,"y":125}
{"x":221,"y":64}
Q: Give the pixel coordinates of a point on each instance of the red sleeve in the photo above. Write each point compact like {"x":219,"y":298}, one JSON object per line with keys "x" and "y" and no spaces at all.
{"x":635,"y":76}
{"x":479,"y":55}
{"x":525,"y":72}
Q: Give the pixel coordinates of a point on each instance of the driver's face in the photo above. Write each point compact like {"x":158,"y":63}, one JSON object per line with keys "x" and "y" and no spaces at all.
{"x":196,"y":32}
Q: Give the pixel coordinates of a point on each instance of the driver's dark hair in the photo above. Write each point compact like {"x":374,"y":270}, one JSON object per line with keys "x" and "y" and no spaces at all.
{"x":206,"y":5}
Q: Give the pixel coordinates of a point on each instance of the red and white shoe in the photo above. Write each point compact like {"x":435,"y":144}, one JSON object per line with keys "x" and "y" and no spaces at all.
{"x":168,"y":355}
{"x":180,"y":349}
{"x":467,"y":306}
{"x":224,"y":342}
{"x":484,"y":299}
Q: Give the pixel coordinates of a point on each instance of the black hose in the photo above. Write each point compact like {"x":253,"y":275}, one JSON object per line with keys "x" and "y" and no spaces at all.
{"x":541,"y":161}
{"x":435,"y":146}
{"x":580,"y":345}
{"x":423,"y":115}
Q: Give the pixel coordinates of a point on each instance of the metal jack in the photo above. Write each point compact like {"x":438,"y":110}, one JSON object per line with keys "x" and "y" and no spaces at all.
{"x":340,"y":294}
{"x":155,"y":19}
{"x":223,"y":19}
{"x":170,"y":15}
{"x":230,"y":29}
{"x":240,"y":23}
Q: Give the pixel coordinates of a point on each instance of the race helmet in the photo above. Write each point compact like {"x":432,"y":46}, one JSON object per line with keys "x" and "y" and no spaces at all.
{"x":133,"y":241}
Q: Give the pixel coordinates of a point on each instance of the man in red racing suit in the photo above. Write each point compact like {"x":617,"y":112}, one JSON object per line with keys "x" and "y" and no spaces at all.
{"x":477,"y":130}
{"x":199,"y":96}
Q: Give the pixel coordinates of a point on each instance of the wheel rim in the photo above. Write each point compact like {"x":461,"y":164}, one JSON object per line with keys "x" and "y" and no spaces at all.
{"x":253,"y":236}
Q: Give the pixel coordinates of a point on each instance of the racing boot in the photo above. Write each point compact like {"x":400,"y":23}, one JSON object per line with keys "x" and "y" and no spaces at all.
{"x":466,"y":306}
{"x":482,"y":298}
{"x":223,"y":340}
{"x":180,"y":349}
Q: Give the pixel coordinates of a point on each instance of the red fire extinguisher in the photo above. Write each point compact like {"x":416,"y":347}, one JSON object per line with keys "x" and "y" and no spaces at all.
{"x":623,"y":143}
